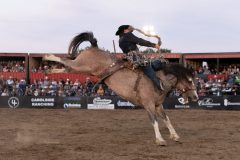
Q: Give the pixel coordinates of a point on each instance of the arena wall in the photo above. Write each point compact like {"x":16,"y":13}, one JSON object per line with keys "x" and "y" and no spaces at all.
{"x":115,"y":102}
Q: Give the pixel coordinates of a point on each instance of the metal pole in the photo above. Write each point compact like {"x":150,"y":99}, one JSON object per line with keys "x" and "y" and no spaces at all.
{"x":114,"y":47}
{"x":217,"y":65}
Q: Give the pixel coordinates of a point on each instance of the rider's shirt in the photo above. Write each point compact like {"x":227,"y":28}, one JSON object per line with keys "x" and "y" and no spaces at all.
{"x":128,"y":42}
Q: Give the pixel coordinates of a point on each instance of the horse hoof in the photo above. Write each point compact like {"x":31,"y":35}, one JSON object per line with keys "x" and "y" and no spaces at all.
{"x":161,"y":143}
{"x":45,"y":57}
{"x":176,"y":138}
{"x":48,"y":58}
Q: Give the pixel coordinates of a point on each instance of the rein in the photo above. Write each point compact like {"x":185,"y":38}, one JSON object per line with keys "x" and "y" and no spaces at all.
{"x":159,"y":42}
{"x":149,"y":35}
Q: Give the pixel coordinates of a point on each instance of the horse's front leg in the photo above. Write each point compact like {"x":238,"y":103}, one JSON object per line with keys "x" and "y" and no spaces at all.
{"x":161,"y":113}
{"x":159,"y":139}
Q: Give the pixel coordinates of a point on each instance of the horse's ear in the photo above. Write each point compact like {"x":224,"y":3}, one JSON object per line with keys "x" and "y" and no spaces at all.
{"x":191,"y":69}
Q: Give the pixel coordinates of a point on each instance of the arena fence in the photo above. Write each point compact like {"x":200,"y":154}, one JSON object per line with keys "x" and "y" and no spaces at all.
{"x":115,"y":102}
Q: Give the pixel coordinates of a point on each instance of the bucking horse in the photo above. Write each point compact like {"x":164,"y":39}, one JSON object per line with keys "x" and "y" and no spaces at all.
{"x":128,"y":83}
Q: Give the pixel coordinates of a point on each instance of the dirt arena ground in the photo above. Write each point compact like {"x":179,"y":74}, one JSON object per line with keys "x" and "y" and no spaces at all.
{"x":45,"y":134}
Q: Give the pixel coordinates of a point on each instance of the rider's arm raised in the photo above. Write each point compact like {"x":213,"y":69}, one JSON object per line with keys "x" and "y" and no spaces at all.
{"x":140,"y":41}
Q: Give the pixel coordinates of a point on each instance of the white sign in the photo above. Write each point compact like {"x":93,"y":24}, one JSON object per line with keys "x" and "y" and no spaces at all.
{"x":99,"y":103}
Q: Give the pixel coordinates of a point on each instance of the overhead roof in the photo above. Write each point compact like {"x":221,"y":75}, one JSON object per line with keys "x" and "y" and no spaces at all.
{"x":211,"y":55}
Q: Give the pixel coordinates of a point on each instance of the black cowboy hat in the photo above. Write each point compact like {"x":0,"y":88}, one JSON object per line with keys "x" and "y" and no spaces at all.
{"x":121,"y":29}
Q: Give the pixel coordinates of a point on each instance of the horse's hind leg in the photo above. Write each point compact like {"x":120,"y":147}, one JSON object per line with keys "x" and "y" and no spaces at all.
{"x":153,"y":118}
{"x":71,"y":64}
{"x":161,"y":113}
{"x":52,"y":57}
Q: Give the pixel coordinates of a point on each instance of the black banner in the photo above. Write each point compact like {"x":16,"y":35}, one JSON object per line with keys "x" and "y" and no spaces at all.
{"x":211,"y":102}
{"x":206,"y":102}
{"x":231,"y":102}
{"x":30,"y":102}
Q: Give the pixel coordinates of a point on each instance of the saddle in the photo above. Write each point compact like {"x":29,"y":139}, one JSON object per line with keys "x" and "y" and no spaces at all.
{"x":134,"y":60}
{"x":114,"y":67}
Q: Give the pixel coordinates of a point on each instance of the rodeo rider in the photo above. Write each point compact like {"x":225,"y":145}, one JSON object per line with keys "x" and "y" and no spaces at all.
{"x":128,"y":43}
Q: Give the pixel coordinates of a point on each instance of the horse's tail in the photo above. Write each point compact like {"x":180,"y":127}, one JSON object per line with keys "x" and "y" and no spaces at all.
{"x":77,"y":40}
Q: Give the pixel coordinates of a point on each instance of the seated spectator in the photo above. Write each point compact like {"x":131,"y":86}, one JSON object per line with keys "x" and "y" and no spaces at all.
{"x":202,"y":91}
{"x":12,"y":66}
{"x":5,"y":92}
{"x":28,"y":91}
{"x":100,"y":90}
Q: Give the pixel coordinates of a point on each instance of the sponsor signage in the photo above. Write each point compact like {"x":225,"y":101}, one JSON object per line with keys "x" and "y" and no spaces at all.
{"x":39,"y":102}
{"x":182,"y":106}
{"x":43,"y":102}
{"x":175,"y":103}
{"x":232,"y":102}
{"x":208,"y":102}
{"x":123,"y":104}
{"x":226,"y":102}
{"x":13,"y":102}
{"x":74,"y":102}
{"x":100,"y":103}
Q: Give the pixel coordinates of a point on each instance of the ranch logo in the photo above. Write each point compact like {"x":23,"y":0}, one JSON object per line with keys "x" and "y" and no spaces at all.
{"x":71,"y":105}
{"x":13,"y":102}
{"x":42,"y":102}
{"x":227,"y":103}
{"x":207,"y":102}
{"x":99,"y":103}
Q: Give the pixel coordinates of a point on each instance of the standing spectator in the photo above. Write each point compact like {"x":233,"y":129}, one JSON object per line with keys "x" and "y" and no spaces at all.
{"x":2,"y":84}
{"x":46,"y":83}
{"x":28,"y":91}
{"x":89,"y":86}
{"x":22,"y":87}
{"x":10,"y":85}
{"x":206,"y":71}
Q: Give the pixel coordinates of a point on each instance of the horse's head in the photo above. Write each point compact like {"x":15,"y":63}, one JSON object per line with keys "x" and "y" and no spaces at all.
{"x":183,"y":80}
{"x":188,"y":89}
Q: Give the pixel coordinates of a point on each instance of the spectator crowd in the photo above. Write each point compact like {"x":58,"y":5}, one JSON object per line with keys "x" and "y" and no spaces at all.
{"x":47,"y":87}
{"x":208,"y":82}
{"x":226,"y":82}
{"x":12,"y":66}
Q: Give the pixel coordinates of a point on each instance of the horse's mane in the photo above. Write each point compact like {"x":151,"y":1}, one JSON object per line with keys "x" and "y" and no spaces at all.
{"x":178,"y":71}
{"x":77,"y":40}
